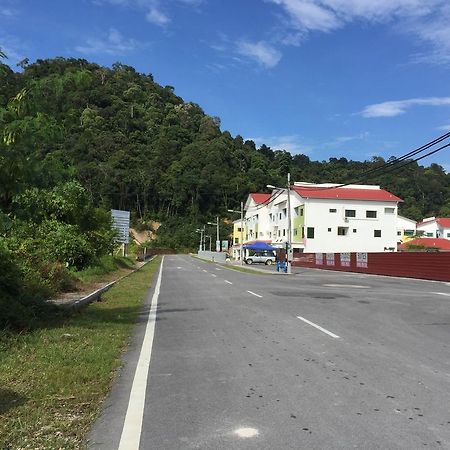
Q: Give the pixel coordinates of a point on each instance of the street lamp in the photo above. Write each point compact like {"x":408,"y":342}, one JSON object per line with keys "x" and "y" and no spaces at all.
{"x":289,"y":241}
{"x":202,"y":244}
{"x":242,"y":230}
{"x":216,"y":223}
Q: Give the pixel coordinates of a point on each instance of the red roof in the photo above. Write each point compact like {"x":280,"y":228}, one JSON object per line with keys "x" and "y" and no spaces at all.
{"x":347,"y":194}
{"x":444,"y":222}
{"x":260,"y":198}
{"x":440,"y":243}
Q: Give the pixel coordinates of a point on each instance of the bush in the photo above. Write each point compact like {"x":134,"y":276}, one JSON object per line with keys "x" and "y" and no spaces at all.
{"x":21,"y":306}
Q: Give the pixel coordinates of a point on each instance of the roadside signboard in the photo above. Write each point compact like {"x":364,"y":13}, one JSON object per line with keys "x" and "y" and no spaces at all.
{"x":121,"y":223}
{"x":361,"y":260}
{"x":330,"y":259}
{"x":217,"y":246}
{"x":345,"y":259}
{"x":319,"y":259}
{"x":224,"y":246}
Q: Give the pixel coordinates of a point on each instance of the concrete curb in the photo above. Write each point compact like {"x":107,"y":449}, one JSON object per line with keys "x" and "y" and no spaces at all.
{"x":96,"y":295}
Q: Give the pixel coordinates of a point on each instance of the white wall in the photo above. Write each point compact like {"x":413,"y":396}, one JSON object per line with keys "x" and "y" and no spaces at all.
{"x":318,"y":216}
{"x":427,"y":228}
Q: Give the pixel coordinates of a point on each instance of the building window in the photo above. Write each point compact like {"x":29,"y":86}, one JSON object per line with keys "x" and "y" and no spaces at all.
{"x":354,"y":230}
{"x":371,"y":214}
{"x":239,"y":230}
{"x":399,"y":233}
{"x":284,"y":232}
{"x":329,"y":229}
{"x":284,"y":212}
{"x":342,"y":231}
{"x":332,"y":210}
{"x":279,"y":216}
{"x":236,"y":240}
{"x":429,"y":234}
{"x":303,"y":232}
{"x":295,"y":232}
{"x":279,"y":233}
{"x":389,"y":210}
{"x":448,"y":234}
{"x":301,"y":211}
{"x":310,"y":232}
{"x":409,"y":233}
{"x":376,"y":233}
{"x":350,"y":213}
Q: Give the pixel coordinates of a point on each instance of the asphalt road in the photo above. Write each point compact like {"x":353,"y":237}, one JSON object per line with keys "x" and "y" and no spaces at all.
{"x":315,"y":360}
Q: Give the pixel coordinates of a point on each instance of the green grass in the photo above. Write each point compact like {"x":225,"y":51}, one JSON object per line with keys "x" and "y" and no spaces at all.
{"x":53,"y":380}
{"x":105,"y":265}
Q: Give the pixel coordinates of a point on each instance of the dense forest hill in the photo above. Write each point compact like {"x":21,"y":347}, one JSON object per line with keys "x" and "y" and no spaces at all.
{"x":133,"y":144}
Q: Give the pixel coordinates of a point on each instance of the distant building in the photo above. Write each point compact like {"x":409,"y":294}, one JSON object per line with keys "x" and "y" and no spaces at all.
{"x":429,"y":243}
{"x":325,"y":218}
{"x":406,"y":229}
{"x":435,"y":227}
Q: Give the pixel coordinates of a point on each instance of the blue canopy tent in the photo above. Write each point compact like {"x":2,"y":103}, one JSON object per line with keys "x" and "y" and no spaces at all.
{"x":259,"y":246}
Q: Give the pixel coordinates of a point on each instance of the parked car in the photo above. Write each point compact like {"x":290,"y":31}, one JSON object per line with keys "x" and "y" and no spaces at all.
{"x":267,"y":257}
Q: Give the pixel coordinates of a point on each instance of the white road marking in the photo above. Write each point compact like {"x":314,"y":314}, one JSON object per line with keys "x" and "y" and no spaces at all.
{"x":256,"y":295}
{"x":218,"y":268}
{"x":205,"y":270}
{"x":229,"y":282}
{"x":335,"y":336}
{"x":213,"y":275}
{"x":441,"y":293}
{"x":179,"y":267}
{"x":132,"y":427}
{"x":246,"y":432}
{"x":357,"y":286}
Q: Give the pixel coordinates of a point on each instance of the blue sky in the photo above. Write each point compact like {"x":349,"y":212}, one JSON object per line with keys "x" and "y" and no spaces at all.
{"x":328,"y":78}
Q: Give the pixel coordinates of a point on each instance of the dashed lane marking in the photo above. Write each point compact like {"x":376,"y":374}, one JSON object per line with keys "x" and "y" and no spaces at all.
{"x":229,"y":282}
{"x":335,"y":336}
{"x":256,"y":295}
{"x":441,"y":293}
{"x":356,"y":286}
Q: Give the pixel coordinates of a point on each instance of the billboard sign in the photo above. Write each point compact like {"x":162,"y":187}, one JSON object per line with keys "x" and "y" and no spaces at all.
{"x":121,"y":223}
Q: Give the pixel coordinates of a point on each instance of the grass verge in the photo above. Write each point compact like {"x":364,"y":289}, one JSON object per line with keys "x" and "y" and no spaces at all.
{"x":53,"y":380}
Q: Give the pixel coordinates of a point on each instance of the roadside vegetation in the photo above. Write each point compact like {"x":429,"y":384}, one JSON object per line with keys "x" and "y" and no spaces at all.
{"x":54,"y":378}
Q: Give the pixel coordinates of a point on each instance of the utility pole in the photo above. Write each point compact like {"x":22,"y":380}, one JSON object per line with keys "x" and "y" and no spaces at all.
{"x":289,"y":244}
{"x":242,"y":230}
{"x":242,"y":233}
{"x":218,"y":236}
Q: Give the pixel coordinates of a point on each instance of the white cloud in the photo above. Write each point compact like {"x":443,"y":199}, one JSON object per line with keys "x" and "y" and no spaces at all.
{"x":13,"y":48}
{"x":153,"y":10}
{"x":445,"y":128}
{"x":290,"y":143}
{"x":157,"y":17}
{"x":398,"y":107}
{"x":261,"y":52}
{"x":427,"y":20}
{"x":111,"y":43}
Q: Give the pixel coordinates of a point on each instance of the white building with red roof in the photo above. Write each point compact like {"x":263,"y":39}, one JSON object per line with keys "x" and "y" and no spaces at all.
{"x":325,"y":218}
{"x":352,"y":218}
{"x":434,"y":227}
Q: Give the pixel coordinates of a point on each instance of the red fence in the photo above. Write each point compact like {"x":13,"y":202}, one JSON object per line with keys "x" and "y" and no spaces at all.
{"x":428,"y":266}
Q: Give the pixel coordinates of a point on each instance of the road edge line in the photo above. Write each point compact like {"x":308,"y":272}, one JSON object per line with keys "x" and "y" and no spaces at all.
{"x":132,"y":426}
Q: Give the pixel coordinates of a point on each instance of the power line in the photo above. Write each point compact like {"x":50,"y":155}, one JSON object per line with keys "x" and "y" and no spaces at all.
{"x":392,"y":164}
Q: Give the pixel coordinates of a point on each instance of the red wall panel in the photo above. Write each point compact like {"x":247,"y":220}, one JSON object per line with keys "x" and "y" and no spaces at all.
{"x":428,"y":266}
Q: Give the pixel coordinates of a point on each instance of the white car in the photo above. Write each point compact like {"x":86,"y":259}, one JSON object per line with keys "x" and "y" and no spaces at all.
{"x":265,"y":256}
